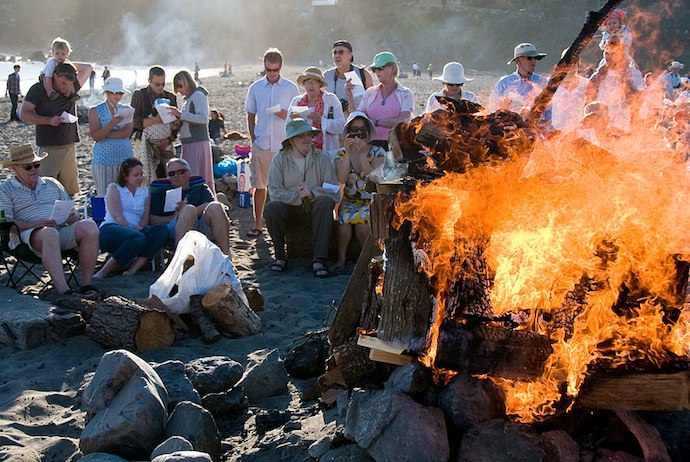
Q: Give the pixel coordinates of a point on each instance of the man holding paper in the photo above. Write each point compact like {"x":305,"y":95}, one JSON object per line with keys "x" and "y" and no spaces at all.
{"x":183,"y":202}
{"x":346,"y":80}
{"x":56,"y":131}
{"x":30,"y":201}
{"x":267,"y":106}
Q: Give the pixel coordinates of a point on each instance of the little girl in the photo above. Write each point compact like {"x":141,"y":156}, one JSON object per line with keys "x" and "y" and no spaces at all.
{"x":216,"y":126}
{"x":615,"y":26}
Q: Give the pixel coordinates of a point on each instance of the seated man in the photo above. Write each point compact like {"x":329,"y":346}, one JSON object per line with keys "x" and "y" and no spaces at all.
{"x":28,"y":200}
{"x":197,"y":209}
{"x":295,"y":185}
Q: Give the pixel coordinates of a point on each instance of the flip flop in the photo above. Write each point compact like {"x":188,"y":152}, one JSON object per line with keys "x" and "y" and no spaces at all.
{"x":254,"y":232}
{"x":319,"y":269}
{"x":278,"y":266}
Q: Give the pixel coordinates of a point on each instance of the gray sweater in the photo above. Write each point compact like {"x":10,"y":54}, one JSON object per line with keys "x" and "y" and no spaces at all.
{"x":194,"y":117}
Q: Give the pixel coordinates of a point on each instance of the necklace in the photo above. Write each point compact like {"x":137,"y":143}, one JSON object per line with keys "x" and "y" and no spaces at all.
{"x":385,"y":97}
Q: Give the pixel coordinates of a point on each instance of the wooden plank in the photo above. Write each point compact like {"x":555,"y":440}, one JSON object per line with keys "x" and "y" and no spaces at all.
{"x":376,"y":343}
{"x":638,"y":392}
{"x":389,"y":358}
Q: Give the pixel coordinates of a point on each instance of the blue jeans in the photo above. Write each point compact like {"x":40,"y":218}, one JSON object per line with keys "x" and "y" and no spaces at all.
{"x":125,"y":244}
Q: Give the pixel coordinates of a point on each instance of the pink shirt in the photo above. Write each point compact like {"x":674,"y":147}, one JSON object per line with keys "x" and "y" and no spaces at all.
{"x":380,"y":110}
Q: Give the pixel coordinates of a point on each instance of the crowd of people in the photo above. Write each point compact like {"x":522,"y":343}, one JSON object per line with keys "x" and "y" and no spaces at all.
{"x":314,"y":146}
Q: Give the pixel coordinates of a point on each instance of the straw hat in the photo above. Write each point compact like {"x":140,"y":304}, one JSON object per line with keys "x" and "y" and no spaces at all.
{"x":114,"y":85}
{"x":21,"y":155}
{"x":297,"y":127}
{"x":526,"y":49}
{"x":453,"y":72}
{"x":312,"y":73}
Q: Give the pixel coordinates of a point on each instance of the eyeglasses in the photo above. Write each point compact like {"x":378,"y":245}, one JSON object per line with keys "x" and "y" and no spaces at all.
{"x":339,"y":52}
{"x":35,"y":165}
{"x":277,"y":69}
{"x":67,"y":75}
{"x":156,"y":84}
{"x":180,"y":171}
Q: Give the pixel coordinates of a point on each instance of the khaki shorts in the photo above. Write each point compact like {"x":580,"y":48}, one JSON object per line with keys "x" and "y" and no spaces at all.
{"x":260,"y":163}
{"x":68,"y":237}
{"x":61,"y":164}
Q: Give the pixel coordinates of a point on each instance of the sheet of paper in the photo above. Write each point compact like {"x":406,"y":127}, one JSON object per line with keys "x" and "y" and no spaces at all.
{"x":273,"y":109}
{"x":172,"y":197}
{"x":331,"y":188}
{"x":61,"y":211}
{"x":127,"y":114}
{"x":166,"y":116}
{"x":302,"y":110}
{"x":358,"y":88}
{"x":67,"y":118}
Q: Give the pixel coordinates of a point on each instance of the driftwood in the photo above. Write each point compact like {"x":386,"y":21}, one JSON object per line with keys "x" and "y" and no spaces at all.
{"x":202,"y":321}
{"x":493,"y":350}
{"x":224,"y":305}
{"x":118,"y":322}
{"x":647,"y":435}
{"x":469,"y":294}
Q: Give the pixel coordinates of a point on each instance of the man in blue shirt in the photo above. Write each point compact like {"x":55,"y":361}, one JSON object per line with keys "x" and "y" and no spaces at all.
{"x":517,"y":91}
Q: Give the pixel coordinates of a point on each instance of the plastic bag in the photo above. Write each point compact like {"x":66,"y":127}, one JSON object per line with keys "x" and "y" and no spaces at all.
{"x":211,"y":268}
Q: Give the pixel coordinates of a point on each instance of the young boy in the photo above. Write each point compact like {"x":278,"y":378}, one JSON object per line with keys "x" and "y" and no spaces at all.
{"x":60,"y":51}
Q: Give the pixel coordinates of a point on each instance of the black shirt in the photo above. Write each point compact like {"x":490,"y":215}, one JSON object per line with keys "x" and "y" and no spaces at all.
{"x":47,"y":135}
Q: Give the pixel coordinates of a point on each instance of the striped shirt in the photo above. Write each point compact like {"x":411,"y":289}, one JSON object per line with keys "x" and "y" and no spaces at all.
{"x":21,"y":203}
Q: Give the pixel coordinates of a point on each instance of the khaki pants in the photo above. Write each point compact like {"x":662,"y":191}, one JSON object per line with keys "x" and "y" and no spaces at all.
{"x":61,"y":164}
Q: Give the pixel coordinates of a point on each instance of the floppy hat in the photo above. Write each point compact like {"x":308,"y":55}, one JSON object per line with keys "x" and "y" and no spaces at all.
{"x":24,"y":154}
{"x":526,"y":49}
{"x":453,"y":72}
{"x":359,"y":114}
{"x":383,"y":58}
{"x":677,"y":65}
{"x":114,"y":85}
{"x":297,"y":127}
{"x":312,"y":73}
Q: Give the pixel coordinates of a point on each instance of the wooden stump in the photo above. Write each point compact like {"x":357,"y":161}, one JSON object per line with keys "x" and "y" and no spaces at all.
{"x":230,"y":313}
{"x":117,"y":322}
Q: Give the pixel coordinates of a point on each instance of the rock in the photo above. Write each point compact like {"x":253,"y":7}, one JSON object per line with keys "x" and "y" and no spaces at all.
{"x":412,"y":379}
{"x":101,"y":457}
{"x":179,"y":387}
{"x":606,"y":455}
{"x":184,"y":456}
{"x":172,"y":444}
{"x":468,"y":401}
{"x":674,"y":428}
{"x":559,"y":446}
{"x":320,"y":447}
{"x":19,"y":453}
{"x":392,"y":426}
{"x":347,"y":453}
{"x":197,"y":425}
{"x":307,"y":360}
{"x":292,"y":426}
{"x":126,"y":406}
{"x":266,"y":377}
{"x":131,"y":425}
{"x":213,"y":374}
{"x":114,"y":370}
{"x":497,"y":440}
{"x":269,"y":419}
{"x":226,"y":402}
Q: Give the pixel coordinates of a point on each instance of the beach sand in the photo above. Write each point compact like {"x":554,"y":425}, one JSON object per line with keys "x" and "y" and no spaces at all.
{"x":38,"y":416}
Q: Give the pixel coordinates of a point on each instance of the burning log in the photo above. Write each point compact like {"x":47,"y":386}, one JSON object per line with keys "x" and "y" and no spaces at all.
{"x":492,"y":350}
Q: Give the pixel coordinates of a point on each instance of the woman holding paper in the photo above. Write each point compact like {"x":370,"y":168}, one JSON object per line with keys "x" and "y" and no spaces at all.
{"x":125,"y":232}
{"x":110,"y":126}
{"x":320,"y":108}
{"x":196,"y":143}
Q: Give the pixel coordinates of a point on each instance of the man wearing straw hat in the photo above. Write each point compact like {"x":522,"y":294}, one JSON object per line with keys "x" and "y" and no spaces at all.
{"x":517,"y":91}
{"x":672,"y":80}
{"x":56,"y":122}
{"x":28,"y":200}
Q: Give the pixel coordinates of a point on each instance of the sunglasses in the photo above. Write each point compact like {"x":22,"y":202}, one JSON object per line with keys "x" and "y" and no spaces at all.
{"x":454,"y":84}
{"x":277,"y":69}
{"x":180,"y":171}
{"x":532,"y":58}
{"x":35,"y":165}
{"x":358,"y":133}
{"x":339,"y":52}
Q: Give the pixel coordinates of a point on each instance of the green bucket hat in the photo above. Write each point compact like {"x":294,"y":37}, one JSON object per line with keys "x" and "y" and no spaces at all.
{"x":383,"y":58}
{"x":297,"y":127}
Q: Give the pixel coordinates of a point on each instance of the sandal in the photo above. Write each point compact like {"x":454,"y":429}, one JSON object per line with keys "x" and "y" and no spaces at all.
{"x":254,"y":232}
{"x":279,"y":266}
{"x":319,"y":269}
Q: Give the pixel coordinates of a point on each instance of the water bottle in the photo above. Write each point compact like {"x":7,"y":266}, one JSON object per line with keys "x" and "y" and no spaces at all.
{"x":330,"y":113}
{"x":243,"y":196}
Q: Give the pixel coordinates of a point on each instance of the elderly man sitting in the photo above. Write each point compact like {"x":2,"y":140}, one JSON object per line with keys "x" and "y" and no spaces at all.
{"x":28,"y":200}
{"x":197,"y":210}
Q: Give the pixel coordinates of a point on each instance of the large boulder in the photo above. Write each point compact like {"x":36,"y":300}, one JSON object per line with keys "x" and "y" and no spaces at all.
{"x":497,"y":440}
{"x":196,"y":425}
{"x":172,"y":444}
{"x":467,"y":401}
{"x":126,"y":406}
{"x":264,"y":378}
{"x":392,"y":426}
{"x":184,"y":456}
{"x":226,"y":403}
{"x":179,"y":387}
{"x":213,"y":374}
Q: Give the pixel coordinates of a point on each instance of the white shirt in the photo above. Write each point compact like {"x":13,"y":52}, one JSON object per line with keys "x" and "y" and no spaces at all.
{"x":432,"y":103}
{"x":269,"y":130}
{"x":567,"y":106}
{"x":133,"y":205}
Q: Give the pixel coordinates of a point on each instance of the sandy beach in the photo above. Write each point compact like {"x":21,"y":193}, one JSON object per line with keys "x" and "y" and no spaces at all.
{"x":39,"y":419}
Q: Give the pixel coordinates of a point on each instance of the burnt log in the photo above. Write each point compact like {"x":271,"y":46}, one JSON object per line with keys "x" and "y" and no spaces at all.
{"x":117,"y":322}
{"x":202,"y":321}
{"x":470,"y":293}
{"x":370,"y":309}
{"x":492,"y":350}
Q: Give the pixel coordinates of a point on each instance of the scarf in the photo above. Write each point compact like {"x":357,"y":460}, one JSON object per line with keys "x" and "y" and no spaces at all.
{"x":318,"y":140}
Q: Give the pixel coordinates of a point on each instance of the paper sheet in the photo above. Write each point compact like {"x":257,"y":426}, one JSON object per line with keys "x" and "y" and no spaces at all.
{"x":127,"y":114}
{"x":302,"y":110}
{"x":166,"y":116}
{"x":172,"y":197}
{"x":273,"y":109}
{"x":67,"y":118}
{"x":358,"y":86}
{"x":331,"y":188}
{"x":61,"y":211}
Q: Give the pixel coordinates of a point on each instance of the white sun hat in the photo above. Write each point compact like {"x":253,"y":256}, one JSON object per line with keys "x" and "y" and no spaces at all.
{"x":114,"y":85}
{"x":453,"y":72}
